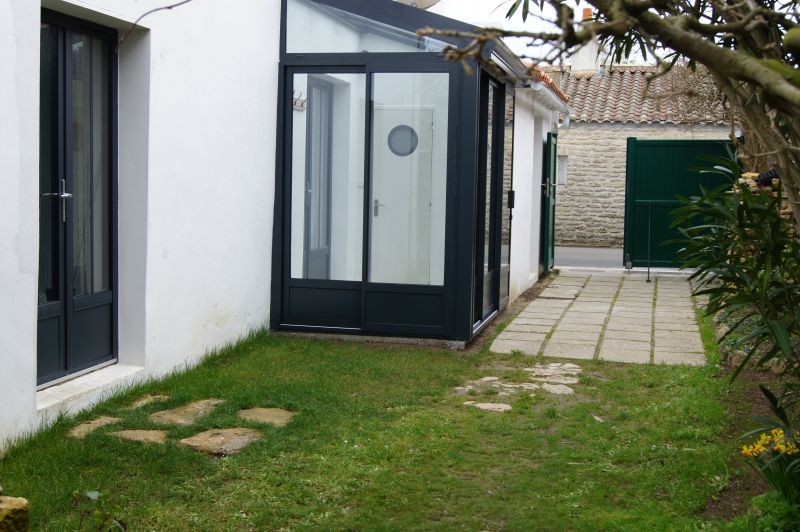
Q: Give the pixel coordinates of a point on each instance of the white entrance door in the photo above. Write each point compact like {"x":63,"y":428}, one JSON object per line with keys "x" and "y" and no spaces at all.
{"x":402,"y":170}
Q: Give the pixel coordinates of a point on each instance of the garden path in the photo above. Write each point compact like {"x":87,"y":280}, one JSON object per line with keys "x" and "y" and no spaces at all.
{"x":614,"y":316}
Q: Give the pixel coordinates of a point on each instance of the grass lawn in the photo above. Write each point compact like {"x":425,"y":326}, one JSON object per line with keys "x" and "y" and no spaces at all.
{"x":381,"y":442}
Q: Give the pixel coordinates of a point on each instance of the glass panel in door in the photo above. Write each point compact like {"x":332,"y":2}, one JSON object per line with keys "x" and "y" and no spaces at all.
{"x":91,"y":242}
{"x":327,"y":214}
{"x":49,"y":213}
{"x":408,"y":178}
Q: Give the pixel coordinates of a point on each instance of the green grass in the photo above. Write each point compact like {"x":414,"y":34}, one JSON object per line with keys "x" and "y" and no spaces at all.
{"x":380,"y":442}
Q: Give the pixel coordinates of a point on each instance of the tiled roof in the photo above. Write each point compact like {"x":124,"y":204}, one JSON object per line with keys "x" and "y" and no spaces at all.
{"x":537,"y":74}
{"x":619,"y":94}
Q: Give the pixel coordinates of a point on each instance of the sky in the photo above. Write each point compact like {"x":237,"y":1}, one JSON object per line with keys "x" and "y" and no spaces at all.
{"x":493,"y":13}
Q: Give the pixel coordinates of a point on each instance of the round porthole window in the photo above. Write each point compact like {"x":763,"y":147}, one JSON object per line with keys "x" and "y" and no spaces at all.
{"x":403,"y":140}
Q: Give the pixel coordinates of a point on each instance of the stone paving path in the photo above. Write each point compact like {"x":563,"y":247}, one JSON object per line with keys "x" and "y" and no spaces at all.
{"x":609,"y":316}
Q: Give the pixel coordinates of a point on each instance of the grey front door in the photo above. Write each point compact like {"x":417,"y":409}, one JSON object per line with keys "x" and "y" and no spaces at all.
{"x":76,"y":212}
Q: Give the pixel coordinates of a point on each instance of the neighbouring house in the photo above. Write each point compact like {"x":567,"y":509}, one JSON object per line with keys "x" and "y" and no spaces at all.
{"x":609,"y":105}
{"x":307,"y":165}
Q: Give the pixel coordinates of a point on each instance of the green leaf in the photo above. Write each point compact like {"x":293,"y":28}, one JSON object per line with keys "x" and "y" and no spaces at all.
{"x":781,"y":336}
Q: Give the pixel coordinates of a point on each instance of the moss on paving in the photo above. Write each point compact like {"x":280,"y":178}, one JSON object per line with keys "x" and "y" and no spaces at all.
{"x":380,"y":442}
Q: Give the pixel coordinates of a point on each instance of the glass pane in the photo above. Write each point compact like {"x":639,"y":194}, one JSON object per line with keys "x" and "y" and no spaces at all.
{"x":328,"y":176}
{"x":488,"y":241}
{"x":409,"y":178}
{"x":508,"y":170}
{"x":90,"y":166}
{"x":318,"y":28}
{"x":49,"y":221}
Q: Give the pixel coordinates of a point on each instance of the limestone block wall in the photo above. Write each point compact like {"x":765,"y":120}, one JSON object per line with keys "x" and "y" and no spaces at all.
{"x":590,"y":209}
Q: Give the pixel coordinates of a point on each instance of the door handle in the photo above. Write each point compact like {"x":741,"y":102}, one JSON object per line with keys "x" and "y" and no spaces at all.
{"x":376,"y":207}
{"x":64,"y":196}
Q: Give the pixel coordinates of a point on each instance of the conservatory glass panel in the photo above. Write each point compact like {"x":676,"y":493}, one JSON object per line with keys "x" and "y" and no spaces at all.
{"x":312,"y":27}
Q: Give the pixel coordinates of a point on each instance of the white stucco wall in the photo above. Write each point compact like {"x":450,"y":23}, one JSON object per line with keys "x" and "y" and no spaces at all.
{"x":197,"y":119}
{"x":19,"y":211}
{"x":590,"y":209}
{"x":531,"y":124}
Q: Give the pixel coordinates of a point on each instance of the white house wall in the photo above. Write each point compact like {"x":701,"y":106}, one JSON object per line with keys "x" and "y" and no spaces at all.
{"x":19,"y":211}
{"x":197,"y":115}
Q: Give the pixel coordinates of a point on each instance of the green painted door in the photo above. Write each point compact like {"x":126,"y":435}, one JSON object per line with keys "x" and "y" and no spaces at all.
{"x":549,"y":183}
{"x":658,"y":171}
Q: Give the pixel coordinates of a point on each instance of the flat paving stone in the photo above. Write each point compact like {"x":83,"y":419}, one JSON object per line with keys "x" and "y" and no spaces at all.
{"x":612,"y":334}
{"x":625,"y":355}
{"x":84,"y":429}
{"x":489,"y":407}
{"x":146,"y":400}
{"x":141,"y":436}
{"x":584,"y":336}
{"x":527,"y":347}
{"x":513,"y":335}
{"x":278,"y":417}
{"x":222,"y":442}
{"x":576,"y":351}
{"x":535,"y":321}
{"x":557,"y":389}
{"x":580,"y":327}
{"x":626,"y":345}
{"x":681,"y":344}
{"x":186,"y":414}
{"x":522,"y":327}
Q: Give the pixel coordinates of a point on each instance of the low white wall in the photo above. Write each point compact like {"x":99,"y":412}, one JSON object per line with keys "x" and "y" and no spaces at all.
{"x":19,"y":212}
{"x":590,"y":209}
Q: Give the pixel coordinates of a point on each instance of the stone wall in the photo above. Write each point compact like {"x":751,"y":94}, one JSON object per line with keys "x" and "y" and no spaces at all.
{"x":590,"y":209}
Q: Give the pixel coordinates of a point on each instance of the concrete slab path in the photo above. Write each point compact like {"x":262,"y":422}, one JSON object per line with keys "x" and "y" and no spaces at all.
{"x":615,"y":316}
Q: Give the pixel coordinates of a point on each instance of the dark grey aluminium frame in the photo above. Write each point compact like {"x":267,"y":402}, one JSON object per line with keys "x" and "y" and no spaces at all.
{"x":374,"y":306}
{"x":72,"y":24}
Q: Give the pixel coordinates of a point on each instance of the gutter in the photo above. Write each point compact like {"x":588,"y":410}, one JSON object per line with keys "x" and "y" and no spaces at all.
{"x":551,"y":102}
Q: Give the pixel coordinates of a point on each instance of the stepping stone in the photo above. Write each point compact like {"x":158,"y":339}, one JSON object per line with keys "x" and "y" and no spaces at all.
{"x":271,"y":416}
{"x":146,"y":400}
{"x":186,"y":414}
{"x":557,"y":389}
{"x":142,"y":436}
{"x":489,"y":407}
{"x":83,"y":430}
{"x":222,"y":442}
{"x":14,"y":513}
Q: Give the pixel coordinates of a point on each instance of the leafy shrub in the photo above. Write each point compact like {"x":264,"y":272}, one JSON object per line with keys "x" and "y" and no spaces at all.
{"x":747,"y":259}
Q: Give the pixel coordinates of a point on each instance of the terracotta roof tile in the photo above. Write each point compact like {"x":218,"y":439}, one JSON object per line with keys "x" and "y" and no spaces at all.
{"x":620,"y":94}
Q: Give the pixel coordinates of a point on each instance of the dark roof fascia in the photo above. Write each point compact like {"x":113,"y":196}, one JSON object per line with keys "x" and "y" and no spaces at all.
{"x":508,"y":61}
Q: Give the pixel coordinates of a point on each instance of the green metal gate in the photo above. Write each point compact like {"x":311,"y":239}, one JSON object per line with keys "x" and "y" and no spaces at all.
{"x":657,"y":171}
{"x":549,"y":181}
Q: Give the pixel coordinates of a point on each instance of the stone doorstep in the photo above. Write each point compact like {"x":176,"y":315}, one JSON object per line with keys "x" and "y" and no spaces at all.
{"x":508,"y":346}
{"x":77,"y":394}
{"x":625,"y":355}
